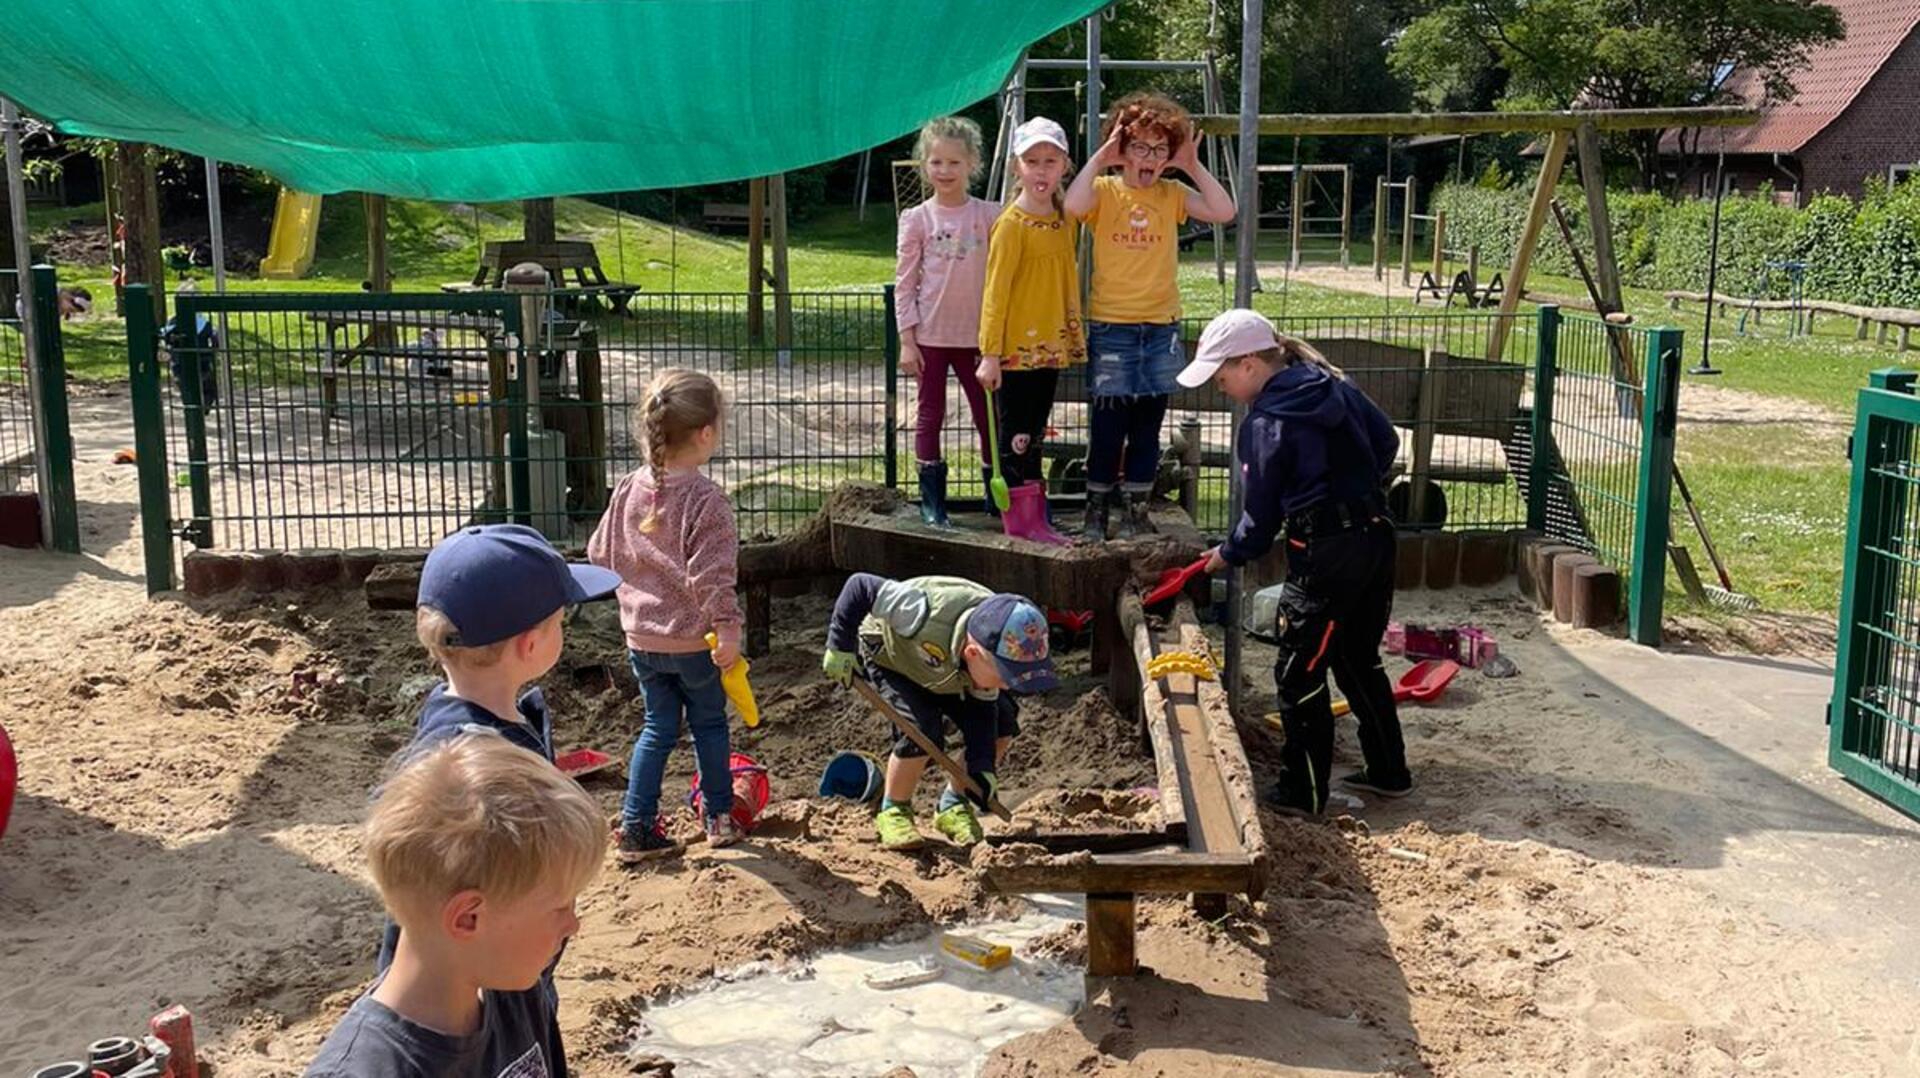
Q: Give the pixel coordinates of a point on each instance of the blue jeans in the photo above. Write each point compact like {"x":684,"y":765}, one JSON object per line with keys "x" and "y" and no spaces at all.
{"x":671,"y":685}
{"x":1130,"y":371}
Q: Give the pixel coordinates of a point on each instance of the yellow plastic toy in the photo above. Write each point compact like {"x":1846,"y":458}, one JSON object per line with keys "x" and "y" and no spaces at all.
{"x":734,"y":680}
{"x":975,"y":951}
{"x":1181,"y":662}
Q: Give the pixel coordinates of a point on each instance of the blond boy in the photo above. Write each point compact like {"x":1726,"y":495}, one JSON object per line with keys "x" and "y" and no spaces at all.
{"x":478,"y":849}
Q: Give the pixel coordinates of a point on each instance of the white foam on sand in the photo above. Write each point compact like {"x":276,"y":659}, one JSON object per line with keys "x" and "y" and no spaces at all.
{"x":821,"y":1017}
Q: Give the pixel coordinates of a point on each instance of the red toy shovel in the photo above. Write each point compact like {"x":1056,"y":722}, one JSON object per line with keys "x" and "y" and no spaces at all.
{"x":1421,"y":684}
{"x":1173,"y":581}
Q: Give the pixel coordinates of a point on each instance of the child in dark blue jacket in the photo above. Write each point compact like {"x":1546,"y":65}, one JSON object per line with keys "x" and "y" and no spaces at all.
{"x":1314,"y":453}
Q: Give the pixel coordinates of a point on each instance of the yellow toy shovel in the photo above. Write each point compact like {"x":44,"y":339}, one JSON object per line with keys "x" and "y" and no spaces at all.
{"x":734,"y":680}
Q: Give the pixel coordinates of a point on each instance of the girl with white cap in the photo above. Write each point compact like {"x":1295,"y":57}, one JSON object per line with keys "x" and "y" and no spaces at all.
{"x":1314,"y":454}
{"x":1030,"y":327}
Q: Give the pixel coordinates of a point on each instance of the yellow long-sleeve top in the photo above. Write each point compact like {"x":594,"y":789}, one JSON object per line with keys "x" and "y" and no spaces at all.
{"x":1030,"y":317}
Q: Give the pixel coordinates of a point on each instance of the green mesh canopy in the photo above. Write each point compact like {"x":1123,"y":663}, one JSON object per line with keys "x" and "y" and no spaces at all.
{"x":500,"y":99}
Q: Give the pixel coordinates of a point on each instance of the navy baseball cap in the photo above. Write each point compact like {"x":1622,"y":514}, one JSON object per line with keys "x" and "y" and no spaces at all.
{"x":1014,"y":632}
{"x":494,"y":581}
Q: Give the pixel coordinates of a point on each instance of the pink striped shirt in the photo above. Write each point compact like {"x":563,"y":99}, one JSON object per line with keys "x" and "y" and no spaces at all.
{"x":940,"y":271}
{"x":678,"y":579}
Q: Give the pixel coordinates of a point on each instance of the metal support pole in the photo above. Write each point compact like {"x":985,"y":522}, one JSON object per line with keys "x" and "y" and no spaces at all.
{"x":1252,"y":17}
{"x":23,"y":264}
{"x":217,"y":239}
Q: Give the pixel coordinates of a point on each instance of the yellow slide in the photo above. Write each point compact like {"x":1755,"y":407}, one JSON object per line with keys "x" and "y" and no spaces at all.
{"x":296,"y":230}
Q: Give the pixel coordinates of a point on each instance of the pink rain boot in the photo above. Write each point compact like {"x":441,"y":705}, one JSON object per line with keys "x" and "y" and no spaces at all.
{"x":1026,"y":515}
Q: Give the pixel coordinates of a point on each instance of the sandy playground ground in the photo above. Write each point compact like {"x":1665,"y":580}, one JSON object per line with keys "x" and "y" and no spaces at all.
{"x":1621,"y":862}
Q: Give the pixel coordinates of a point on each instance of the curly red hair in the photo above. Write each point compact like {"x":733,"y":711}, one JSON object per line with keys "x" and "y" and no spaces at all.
{"x":1138,"y":115}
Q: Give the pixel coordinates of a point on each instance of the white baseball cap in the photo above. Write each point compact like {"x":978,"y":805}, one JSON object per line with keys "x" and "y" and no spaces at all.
{"x":1036,"y":131}
{"x":1235,"y":333}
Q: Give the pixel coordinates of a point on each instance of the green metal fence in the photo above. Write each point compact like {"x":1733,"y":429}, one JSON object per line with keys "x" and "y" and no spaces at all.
{"x":1478,"y":422}
{"x":1874,"y":716}
{"x":286,"y":421}
{"x":36,"y":442}
{"x":1604,"y":411}
{"x":16,"y":407}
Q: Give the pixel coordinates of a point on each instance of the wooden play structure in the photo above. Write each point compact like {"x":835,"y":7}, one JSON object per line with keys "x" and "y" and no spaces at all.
{"x":1308,"y":187}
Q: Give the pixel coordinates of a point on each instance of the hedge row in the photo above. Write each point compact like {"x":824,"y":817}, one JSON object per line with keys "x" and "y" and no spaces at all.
{"x":1865,"y":251}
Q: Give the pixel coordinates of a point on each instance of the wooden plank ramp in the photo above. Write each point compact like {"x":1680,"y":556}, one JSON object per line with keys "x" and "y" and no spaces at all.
{"x":1206,"y":788}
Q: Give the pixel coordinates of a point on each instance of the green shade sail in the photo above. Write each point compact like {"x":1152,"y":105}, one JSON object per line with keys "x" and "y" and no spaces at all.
{"x":501,"y":99}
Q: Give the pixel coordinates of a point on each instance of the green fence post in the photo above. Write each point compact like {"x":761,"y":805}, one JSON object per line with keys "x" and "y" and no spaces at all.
{"x":1653,"y":498}
{"x":1874,"y":520}
{"x":893,"y":394}
{"x":190,"y":383}
{"x":149,"y":440}
{"x":58,"y":501}
{"x":519,"y":466}
{"x":1546,"y":359}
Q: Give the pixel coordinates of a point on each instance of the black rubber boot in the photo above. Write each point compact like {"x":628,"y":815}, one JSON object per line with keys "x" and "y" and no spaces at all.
{"x":1136,"y":513}
{"x":933,"y":494}
{"x":1125,"y":527}
{"x":986,"y":492}
{"x":1094,"y":525}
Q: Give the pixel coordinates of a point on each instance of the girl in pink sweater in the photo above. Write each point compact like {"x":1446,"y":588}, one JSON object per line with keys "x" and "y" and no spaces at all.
{"x":939,"y":277}
{"x":669,"y":533}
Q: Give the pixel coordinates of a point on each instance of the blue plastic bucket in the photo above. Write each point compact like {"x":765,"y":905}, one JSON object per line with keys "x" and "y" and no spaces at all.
{"x":852,"y":775}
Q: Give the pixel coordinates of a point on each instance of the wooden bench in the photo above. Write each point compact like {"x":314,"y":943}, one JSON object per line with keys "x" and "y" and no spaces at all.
{"x":1445,"y":395}
{"x":732,"y":216}
{"x":1886,"y":319}
{"x":559,"y":258}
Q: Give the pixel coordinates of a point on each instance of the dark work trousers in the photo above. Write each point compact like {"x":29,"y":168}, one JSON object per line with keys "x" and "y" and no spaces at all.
{"x":1024,"y":399}
{"x":1333,"y":612}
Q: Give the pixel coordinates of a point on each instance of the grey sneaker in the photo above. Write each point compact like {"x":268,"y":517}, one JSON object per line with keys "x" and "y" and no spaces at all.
{"x":1359,"y":780}
{"x":639,"y":844}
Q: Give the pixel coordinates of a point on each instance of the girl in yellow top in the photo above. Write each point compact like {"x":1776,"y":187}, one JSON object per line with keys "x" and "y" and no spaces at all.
{"x":1134,"y":312}
{"x":1030,"y":318}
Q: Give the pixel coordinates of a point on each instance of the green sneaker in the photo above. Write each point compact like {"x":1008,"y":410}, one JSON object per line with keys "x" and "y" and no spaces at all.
{"x":960,"y":825}
{"x":897,"y":832}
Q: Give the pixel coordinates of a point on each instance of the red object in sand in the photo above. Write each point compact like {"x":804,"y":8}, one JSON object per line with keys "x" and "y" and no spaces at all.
{"x":174,"y":1028}
{"x":1173,"y":581}
{"x":9,"y":779}
{"x":751,"y":790}
{"x":1425,"y":681}
{"x":582,"y":762}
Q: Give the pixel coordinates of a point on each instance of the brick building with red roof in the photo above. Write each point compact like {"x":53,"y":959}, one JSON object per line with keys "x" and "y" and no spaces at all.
{"x":1856,"y":113}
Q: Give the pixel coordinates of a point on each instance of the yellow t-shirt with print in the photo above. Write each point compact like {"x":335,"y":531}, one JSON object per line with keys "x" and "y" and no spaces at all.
{"x":1136,"y":251}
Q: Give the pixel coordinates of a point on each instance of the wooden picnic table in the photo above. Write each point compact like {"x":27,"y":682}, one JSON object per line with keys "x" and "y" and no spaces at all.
{"x":560,"y":258}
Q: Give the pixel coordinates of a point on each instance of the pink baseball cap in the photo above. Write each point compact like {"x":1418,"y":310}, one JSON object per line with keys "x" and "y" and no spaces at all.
{"x":1235,"y":333}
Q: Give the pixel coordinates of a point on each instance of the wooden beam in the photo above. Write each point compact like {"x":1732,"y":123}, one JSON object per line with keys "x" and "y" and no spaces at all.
{"x":1102,"y":841}
{"x":1478,"y":123}
{"x":537,"y":220}
{"x":1516,"y":282}
{"x":1235,"y":773}
{"x":899,"y":546}
{"x":378,"y":273}
{"x":1126,"y":873}
{"x":1110,"y":935}
{"x":1173,"y":802}
{"x":756,"y":260}
{"x":782,"y":285}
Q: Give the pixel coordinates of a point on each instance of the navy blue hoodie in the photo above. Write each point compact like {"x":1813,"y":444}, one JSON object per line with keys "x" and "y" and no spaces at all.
{"x":1308,"y":438}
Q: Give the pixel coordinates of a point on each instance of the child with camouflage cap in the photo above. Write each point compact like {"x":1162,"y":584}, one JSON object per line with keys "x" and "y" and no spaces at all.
{"x":939,"y":650}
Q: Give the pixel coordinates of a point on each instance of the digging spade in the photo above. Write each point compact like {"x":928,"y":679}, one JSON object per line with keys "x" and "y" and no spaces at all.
{"x":962,"y":781}
{"x":997,"y":486}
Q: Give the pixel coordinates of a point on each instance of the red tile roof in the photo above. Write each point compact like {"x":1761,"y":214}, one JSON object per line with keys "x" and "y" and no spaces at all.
{"x":1833,"y":77}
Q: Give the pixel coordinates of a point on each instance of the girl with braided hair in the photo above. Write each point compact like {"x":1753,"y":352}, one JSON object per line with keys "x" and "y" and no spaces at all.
{"x":669,"y":533}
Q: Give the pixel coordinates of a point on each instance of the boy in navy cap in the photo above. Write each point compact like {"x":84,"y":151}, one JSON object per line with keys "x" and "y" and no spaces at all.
{"x":940,"y":649}
{"x":489,"y":609}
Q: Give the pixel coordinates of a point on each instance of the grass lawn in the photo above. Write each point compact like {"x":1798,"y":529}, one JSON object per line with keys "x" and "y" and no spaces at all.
{"x":1773,"y":493}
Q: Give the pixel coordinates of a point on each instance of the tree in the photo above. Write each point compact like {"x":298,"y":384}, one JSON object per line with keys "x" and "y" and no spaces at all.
{"x":1554,"y":54}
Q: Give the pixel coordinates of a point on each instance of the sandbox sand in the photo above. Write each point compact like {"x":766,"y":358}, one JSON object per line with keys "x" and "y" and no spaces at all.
{"x":1548,"y":902}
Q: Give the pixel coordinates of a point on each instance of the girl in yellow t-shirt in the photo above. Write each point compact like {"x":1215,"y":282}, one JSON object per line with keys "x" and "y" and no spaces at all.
{"x":1134,"y":312}
{"x":1030,"y":317}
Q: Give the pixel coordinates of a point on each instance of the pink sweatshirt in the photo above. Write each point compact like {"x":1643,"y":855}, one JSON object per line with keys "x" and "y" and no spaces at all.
{"x":940,"y":271}
{"x":678,"y":579}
